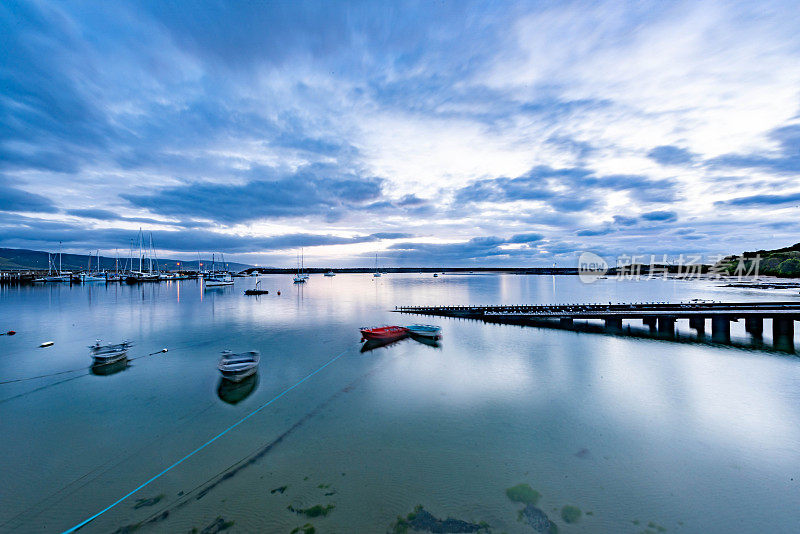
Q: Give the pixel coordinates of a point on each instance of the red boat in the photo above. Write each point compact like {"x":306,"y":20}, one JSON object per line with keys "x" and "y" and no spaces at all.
{"x":383,"y":332}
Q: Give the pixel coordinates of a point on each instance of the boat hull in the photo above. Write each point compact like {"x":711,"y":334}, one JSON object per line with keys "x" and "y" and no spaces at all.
{"x":385,"y":333}
{"x":237,"y":367}
{"x":429,"y":331}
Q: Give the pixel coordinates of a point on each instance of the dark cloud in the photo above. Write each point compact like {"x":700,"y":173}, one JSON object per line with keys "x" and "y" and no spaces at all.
{"x":15,"y":199}
{"x":593,"y":232}
{"x":568,"y":190}
{"x":785,"y":161}
{"x":321,"y":190}
{"x":26,"y":232}
{"x":107,"y":215}
{"x":624,"y":221}
{"x":477,"y":249}
{"x":660,"y":216}
{"x":760,"y":200}
{"x":671,"y":155}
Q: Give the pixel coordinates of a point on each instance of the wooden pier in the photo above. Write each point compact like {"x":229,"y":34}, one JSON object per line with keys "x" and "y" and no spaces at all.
{"x":658,"y":317}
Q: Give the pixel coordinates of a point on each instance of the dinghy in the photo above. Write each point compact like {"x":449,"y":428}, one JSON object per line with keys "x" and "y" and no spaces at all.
{"x":237,"y":367}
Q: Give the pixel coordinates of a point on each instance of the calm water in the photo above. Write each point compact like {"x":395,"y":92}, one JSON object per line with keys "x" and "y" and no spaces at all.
{"x":686,"y":437}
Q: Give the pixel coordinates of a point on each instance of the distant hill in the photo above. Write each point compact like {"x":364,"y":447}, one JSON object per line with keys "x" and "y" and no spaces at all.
{"x":18,"y":258}
{"x":778,"y":262}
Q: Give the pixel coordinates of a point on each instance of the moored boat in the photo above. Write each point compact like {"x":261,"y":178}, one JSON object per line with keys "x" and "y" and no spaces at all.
{"x":218,"y":281}
{"x":425,"y":330}
{"x":330,"y":273}
{"x":237,"y":367}
{"x":383,"y":332}
{"x":110,"y":352}
{"x":256,"y":290}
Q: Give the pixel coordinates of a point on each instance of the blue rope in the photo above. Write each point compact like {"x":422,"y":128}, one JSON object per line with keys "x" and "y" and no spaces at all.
{"x":201,"y":447}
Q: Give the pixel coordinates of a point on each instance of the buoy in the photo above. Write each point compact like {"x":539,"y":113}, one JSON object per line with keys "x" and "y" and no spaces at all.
{"x":46,"y":344}
{"x":279,"y":292}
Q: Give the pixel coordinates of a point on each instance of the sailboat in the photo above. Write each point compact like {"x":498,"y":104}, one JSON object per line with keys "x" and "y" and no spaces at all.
{"x":218,"y":279}
{"x":54,"y":275}
{"x":300,"y":277}
{"x":90,"y":276}
{"x":377,"y":273}
{"x":141,"y":275}
{"x":115,"y":276}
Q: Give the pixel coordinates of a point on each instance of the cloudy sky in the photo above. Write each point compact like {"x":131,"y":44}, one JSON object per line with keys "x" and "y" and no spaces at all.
{"x":436,"y":133}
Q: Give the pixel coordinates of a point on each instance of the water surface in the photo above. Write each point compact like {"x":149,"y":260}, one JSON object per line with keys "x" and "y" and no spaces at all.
{"x":640,"y":434}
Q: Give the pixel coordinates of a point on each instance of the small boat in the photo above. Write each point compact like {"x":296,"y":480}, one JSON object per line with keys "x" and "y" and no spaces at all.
{"x":219,"y":281}
{"x":425,"y":330}
{"x":330,"y":273}
{"x":377,"y":273}
{"x":237,"y":367}
{"x":436,"y":275}
{"x":383,"y":332}
{"x":109,"y":353}
{"x":256,"y":291}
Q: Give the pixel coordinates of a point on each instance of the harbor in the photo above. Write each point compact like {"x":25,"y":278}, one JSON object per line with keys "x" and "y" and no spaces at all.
{"x":581,"y":404}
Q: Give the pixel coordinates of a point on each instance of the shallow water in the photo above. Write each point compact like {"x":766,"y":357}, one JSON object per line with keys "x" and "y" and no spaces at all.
{"x":637,"y":433}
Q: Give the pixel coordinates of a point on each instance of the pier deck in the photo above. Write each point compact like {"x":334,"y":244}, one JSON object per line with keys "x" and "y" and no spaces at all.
{"x":659,"y":317}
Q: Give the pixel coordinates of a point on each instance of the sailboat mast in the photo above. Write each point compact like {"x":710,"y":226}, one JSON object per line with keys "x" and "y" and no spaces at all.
{"x":140,"y":250}
{"x":59,"y":258}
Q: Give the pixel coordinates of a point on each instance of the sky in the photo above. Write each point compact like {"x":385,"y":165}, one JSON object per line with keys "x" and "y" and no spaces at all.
{"x":428,"y":133}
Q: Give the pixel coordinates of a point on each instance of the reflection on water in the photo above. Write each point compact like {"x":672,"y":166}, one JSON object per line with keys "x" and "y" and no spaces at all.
{"x":630,"y":431}
{"x":431,"y":342}
{"x":372,"y":344}
{"x":105,"y":369}
{"x":235,"y":392}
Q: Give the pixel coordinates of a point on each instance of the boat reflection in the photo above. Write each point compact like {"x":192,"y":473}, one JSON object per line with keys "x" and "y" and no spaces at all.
{"x":105,"y":369}
{"x":431,"y":342}
{"x":373,"y":344}
{"x":235,"y":392}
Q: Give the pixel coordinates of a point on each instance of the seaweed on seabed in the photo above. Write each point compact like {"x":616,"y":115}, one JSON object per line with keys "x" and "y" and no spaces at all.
{"x":218,"y":525}
{"x":537,"y":519}
{"x":523,"y":493}
{"x":422,"y":520}
{"x":570,"y":514}
{"x":315,"y":511}
{"x":308,"y":528}
{"x":141,"y":503}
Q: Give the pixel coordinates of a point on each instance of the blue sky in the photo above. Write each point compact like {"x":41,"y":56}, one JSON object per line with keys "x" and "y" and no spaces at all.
{"x":458,"y":133}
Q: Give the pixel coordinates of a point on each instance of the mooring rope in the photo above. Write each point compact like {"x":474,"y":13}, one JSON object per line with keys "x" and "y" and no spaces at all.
{"x":76,"y":370}
{"x":203,"y":446}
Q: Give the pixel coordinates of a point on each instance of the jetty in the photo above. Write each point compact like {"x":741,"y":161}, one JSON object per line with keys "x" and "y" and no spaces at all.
{"x":659,"y":317}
